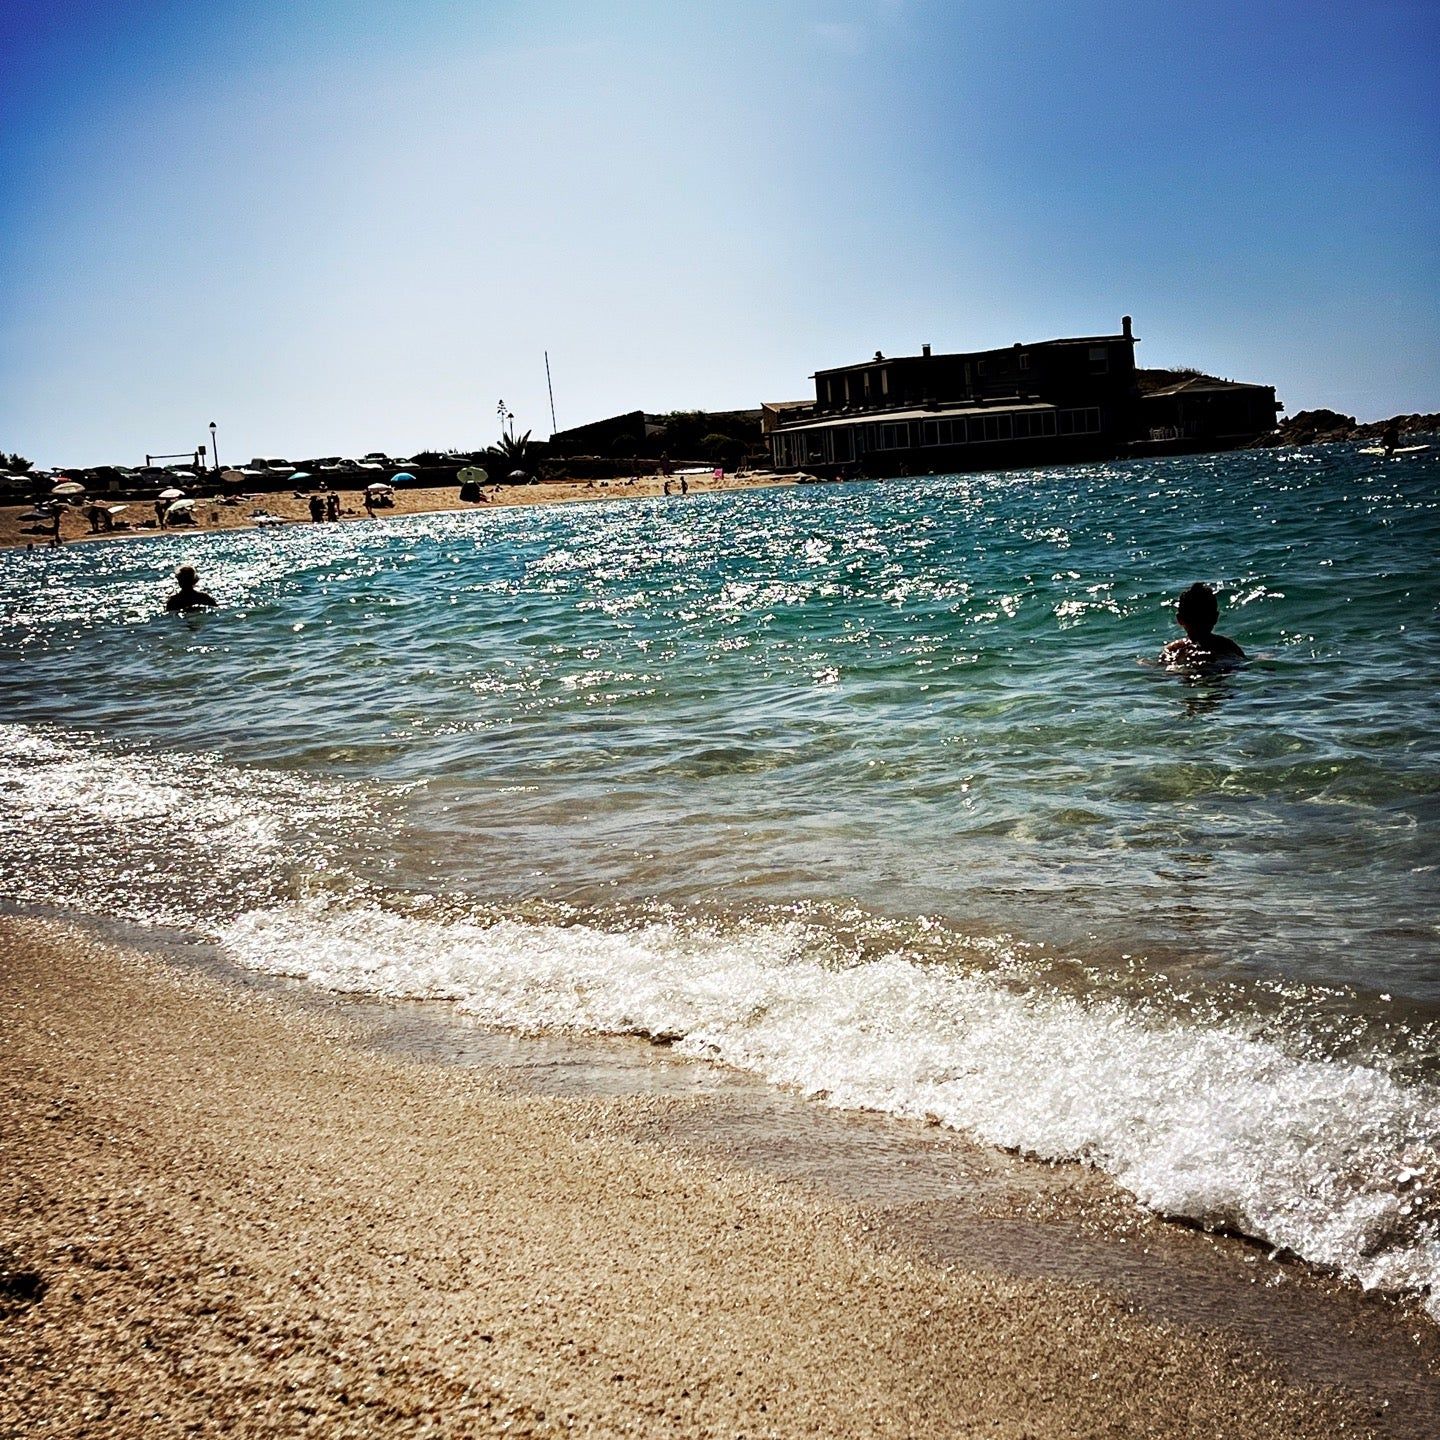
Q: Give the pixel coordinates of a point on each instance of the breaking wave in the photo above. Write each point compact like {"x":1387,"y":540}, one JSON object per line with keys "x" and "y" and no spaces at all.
{"x":1334,"y":1161}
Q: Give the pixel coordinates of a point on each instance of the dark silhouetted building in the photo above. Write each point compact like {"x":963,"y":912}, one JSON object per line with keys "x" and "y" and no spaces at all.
{"x":1050,"y":402}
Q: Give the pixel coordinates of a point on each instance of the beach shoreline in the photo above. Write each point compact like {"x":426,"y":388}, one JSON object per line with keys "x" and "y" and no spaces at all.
{"x":216,"y":516}
{"x":242,"y":1210}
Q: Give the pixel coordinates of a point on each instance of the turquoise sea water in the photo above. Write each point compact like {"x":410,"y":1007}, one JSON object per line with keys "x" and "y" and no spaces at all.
{"x":875,"y":789}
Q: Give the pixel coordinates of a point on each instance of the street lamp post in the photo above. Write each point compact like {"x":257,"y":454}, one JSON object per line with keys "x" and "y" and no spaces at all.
{"x":214,"y":453}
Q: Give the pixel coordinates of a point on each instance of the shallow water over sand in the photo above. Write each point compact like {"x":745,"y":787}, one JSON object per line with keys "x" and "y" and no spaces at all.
{"x":867,"y":789}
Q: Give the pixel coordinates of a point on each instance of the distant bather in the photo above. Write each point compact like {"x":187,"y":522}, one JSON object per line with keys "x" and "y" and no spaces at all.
{"x":1196,"y":613}
{"x":187,"y":597}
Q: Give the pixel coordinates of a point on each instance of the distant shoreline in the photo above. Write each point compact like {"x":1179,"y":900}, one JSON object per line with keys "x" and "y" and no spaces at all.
{"x":293,"y":506}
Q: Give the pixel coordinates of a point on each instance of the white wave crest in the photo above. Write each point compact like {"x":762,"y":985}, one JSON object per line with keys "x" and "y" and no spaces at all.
{"x":1336,"y":1162}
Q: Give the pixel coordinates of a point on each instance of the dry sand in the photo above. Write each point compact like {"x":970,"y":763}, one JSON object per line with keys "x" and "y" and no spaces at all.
{"x":211,"y":515}
{"x":244,"y":1222}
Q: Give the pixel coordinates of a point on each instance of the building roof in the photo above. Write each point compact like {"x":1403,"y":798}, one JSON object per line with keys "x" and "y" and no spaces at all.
{"x":1196,"y":383}
{"x":973,"y":354}
{"x":934,"y":412}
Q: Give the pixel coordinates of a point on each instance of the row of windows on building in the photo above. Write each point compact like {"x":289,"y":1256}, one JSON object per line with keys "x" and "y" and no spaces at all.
{"x":864,"y":387}
{"x":803,"y":447}
{"x":980,"y":429}
{"x":853,"y":389}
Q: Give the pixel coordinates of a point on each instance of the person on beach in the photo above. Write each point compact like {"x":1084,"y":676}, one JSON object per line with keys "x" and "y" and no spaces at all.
{"x":187,"y":597}
{"x":1196,"y":613}
{"x":332,"y":505}
{"x":160,"y":508}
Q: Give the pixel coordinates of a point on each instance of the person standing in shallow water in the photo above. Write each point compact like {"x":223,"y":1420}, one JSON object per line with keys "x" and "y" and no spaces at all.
{"x":187,"y":597}
{"x":1196,"y":613}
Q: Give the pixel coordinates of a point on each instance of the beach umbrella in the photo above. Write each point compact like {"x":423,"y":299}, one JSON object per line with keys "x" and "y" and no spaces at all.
{"x":518,"y":475}
{"x":379,"y":487}
{"x":301,"y":475}
{"x":180,"y":507}
{"x":116,"y":509}
{"x":403,"y":475}
{"x":171,"y":494}
{"x":473,"y":475}
{"x":68,"y":487}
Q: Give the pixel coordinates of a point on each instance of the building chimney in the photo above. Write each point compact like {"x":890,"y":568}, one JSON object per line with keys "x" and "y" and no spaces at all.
{"x":1125,"y":327}
{"x":925,"y":351}
{"x":878,"y":355}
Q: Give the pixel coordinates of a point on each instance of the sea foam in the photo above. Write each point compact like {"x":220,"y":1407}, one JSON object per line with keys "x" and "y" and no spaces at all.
{"x":1334,"y":1161}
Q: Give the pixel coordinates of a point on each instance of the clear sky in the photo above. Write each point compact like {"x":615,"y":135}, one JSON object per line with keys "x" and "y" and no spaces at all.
{"x":336,"y":227}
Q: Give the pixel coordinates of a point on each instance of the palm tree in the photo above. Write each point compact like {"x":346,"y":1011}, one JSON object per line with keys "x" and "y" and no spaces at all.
{"x":511,"y":454}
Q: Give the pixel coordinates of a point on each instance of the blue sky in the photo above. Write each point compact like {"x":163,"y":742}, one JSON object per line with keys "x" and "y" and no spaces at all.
{"x":340,"y":227}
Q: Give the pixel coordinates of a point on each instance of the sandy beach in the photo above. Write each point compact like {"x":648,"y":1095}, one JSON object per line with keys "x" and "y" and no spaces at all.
{"x":221,"y":1212}
{"x":292,"y":506}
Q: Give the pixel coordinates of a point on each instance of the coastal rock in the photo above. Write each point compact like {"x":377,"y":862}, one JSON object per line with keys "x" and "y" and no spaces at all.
{"x":1315,"y":427}
{"x":1325,"y":427}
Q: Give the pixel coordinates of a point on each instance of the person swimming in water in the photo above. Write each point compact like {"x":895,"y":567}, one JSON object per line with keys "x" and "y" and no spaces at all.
{"x":187,"y":597}
{"x":1196,"y":614}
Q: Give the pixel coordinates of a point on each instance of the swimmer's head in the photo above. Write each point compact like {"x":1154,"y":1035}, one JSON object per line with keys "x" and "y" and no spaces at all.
{"x":186,"y":577}
{"x":1197,"y":609}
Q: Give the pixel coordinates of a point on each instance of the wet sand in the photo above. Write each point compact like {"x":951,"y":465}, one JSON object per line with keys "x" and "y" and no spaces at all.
{"x":212,"y":515}
{"x":222,"y":1209}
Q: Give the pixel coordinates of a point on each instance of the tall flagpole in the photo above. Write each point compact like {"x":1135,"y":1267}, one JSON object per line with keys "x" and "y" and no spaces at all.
{"x":553,"y":426}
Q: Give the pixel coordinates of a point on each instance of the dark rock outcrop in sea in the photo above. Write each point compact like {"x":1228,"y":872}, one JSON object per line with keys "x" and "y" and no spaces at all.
{"x":1324,"y":427}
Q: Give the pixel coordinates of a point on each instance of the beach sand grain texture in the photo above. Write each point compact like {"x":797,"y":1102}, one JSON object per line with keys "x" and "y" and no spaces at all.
{"x":243,"y":1222}
{"x":213,"y":516}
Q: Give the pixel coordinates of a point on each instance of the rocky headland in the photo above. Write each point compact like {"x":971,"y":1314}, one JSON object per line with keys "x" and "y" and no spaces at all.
{"x":1324,"y":427}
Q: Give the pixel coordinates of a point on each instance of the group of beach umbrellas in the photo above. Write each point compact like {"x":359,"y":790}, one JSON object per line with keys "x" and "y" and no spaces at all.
{"x":65,"y":490}
{"x":179,"y":504}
